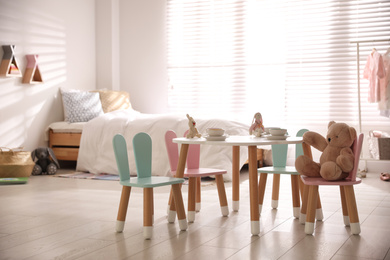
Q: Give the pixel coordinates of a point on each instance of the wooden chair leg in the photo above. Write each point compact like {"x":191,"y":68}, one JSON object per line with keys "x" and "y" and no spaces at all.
{"x":275,"y":191}
{"x":319,"y":214}
{"x":344,"y":206}
{"x":305,"y":197}
{"x":169,"y":202}
{"x":222,"y":195}
{"x":198,"y":194}
{"x":352,"y":209}
{"x":311,"y":209}
{"x":295,"y":195}
{"x":172,"y":209}
{"x":122,"y":211}
{"x":262,"y":184}
{"x":181,"y":214}
{"x":148,"y":212}
{"x":191,"y":198}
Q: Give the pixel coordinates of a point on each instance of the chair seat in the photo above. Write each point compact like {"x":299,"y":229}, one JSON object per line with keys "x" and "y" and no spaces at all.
{"x":278,"y":170}
{"x":320,"y":181}
{"x":151,"y":182}
{"x":201,"y":172}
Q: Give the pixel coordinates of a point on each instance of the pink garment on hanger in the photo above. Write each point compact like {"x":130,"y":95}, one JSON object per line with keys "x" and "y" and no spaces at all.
{"x":384,"y":102}
{"x":374,"y":71}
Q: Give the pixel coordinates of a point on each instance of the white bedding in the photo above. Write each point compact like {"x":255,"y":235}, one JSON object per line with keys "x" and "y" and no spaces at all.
{"x":96,"y":154}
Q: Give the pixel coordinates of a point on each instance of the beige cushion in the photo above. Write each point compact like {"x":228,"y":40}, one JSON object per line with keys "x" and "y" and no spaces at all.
{"x":114,"y":100}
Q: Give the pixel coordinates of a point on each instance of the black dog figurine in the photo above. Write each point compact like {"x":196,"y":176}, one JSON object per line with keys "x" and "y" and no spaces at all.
{"x":46,"y":162}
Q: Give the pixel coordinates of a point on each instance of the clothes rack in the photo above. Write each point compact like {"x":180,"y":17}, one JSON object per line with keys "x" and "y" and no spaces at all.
{"x":358,"y":78}
{"x":358,"y":73}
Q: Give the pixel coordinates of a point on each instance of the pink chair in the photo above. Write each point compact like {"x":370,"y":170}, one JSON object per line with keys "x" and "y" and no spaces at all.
{"x":347,"y":194}
{"x":194,"y":174}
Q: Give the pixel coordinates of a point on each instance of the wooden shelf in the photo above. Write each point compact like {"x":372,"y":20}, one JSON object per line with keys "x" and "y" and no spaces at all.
{"x":32,"y":75}
{"x":9,"y":66}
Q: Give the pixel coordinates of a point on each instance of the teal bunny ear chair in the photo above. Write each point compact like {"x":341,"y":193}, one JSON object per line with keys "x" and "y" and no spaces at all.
{"x":279,"y":157}
{"x":142,"y":145}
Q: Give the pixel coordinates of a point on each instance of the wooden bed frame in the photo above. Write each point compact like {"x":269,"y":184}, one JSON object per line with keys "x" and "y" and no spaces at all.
{"x":65,"y":145}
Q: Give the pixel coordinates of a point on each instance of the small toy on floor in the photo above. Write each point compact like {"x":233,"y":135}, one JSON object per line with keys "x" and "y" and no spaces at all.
{"x":192,"y":132}
{"x":385,"y":176}
{"x":45,"y":161}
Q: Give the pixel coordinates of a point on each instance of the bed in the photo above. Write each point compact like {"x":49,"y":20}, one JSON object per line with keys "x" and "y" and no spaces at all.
{"x":93,"y":118}
{"x":96,"y":153}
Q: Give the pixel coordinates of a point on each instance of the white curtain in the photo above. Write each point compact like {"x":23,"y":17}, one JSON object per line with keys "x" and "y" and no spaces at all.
{"x":293,"y":61}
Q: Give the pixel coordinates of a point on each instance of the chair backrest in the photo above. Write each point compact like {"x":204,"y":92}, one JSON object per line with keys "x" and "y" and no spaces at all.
{"x":298,"y":147}
{"x":193,"y":156}
{"x":142,"y":146}
{"x":122,"y":161}
{"x":356,"y":148}
{"x":279,"y":155}
{"x":172,"y":149}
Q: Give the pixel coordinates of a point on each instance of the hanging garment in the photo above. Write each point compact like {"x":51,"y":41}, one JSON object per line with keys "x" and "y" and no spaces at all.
{"x":374,"y":71}
{"x":384,"y":102}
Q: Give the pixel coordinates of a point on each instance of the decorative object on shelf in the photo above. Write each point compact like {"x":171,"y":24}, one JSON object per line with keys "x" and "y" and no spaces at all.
{"x":9,"y":66}
{"x":46,"y":162}
{"x":257,"y":127}
{"x":192,"y":132}
{"x":32,"y":74}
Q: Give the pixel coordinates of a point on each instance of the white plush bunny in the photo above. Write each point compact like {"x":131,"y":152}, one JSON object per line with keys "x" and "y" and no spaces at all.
{"x":192,"y":132}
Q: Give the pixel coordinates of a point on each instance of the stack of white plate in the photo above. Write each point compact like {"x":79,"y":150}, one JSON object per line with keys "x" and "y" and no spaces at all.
{"x":215,"y":134}
{"x":277,"y":134}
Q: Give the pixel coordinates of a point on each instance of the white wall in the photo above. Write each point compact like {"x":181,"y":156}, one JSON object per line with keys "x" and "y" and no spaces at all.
{"x":62,"y":32}
{"x":142,"y":54}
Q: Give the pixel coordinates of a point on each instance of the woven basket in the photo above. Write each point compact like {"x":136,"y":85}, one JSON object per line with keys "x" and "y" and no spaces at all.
{"x":15,"y":163}
{"x":384,"y":148}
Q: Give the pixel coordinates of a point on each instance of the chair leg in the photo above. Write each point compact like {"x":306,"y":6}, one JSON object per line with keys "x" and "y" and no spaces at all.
{"x":122,"y":211}
{"x":148,"y":212}
{"x":172,"y":209}
{"x":169,"y":202}
{"x":191,"y":198}
{"x":311,"y":209}
{"x":181,"y":214}
{"x":262,"y":184}
{"x":352,"y":209}
{"x":344,"y":206}
{"x":222,"y":195}
{"x":275,"y":191}
{"x":295,"y":195}
{"x":319,"y":214}
{"x":305,"y":197}
{"x":198,"y":194}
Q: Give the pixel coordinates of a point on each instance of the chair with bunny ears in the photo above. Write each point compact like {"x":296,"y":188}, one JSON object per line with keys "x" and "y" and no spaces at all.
{"x":347,"y":194}
{"x":142,"y":145}
{"x":194,"y":174}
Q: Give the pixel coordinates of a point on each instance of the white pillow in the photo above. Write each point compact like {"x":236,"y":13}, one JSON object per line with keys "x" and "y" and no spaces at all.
{"x":81,"y":106}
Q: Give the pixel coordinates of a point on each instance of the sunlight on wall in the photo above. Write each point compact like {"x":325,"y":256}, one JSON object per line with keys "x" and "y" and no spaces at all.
{"x":24,"y":107}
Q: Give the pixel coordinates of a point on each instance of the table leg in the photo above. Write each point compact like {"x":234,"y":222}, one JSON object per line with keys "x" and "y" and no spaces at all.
{"x":236,"y":177}
{"x":179,"y":174}
{"x":253,"y":190}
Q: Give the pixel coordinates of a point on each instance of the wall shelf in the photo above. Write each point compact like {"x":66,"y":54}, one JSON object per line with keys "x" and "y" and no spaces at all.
{"x":9,"y":66}
{"x":32,"y":75}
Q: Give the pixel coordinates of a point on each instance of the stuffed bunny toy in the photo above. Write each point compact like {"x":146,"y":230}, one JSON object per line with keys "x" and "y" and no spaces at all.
{"x":45,"y":161}
{"x":193,"y":132}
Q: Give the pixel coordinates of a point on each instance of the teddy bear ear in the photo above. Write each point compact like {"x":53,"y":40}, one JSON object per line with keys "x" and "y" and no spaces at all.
{"x":352,"y":132}
{"x":331,"y":123}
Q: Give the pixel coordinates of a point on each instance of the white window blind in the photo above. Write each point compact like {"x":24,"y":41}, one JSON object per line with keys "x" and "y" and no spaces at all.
{"x":291,"y":60}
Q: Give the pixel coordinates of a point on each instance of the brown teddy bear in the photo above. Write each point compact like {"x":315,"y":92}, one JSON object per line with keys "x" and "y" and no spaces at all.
{"x":337,"y":158}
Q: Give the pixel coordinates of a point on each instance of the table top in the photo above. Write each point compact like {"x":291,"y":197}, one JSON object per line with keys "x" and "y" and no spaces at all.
{"x":239,"y":141}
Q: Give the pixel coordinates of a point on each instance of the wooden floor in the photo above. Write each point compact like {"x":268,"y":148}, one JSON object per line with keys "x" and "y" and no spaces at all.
{"x":57,"y":218}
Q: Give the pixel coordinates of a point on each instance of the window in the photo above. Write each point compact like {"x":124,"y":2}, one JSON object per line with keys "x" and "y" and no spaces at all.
{"x":293,"y":61}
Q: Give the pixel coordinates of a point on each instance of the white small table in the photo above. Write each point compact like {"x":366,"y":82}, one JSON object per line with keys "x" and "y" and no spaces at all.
{"x":236,"y":141}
